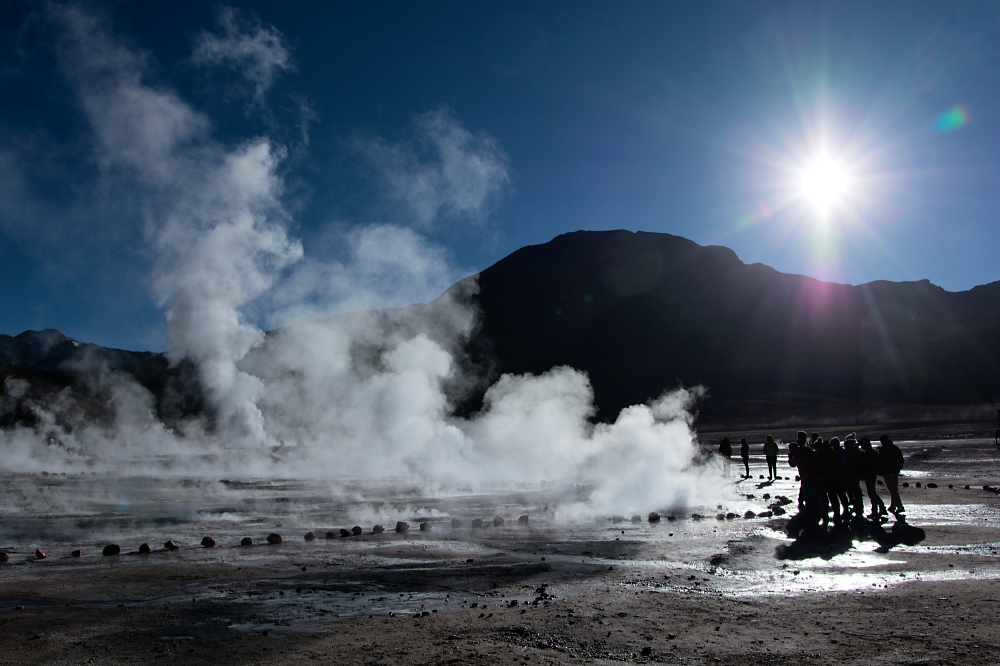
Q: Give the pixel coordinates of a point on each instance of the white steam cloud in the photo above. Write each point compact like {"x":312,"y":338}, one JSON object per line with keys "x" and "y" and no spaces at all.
{"x":362,"y":393}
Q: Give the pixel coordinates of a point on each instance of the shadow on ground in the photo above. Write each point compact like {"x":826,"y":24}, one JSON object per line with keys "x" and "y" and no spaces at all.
{"x":826,"y":543}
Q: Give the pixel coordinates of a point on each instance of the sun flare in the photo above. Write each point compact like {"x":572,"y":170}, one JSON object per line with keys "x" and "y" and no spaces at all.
{"x":824,"y":183}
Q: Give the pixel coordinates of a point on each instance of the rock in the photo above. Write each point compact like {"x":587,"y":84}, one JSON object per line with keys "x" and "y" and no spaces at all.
{"x":378,"y":529}
{"x":932,"y":485}
{"x":778,"y":511}
{"x":696,"y":516}
{"x":208,"y":542}
{"x":330,"y":535}
{"x":171,"y":545}
{"x":720,"y":516}
{"x":76,"y":553}
{"x":917,"y":484}
{"x":764,"y":514}
{"x":478,"y":522}
{"x":425,"y":527}
{"x":40,"y":554}
{"x":402,"y":526}
{"x":357,"y":531}
{"x":497,"y":521}
{"x":144,"y":549}
{"x":766,"y":496}
{"x":111,"y":549}
{"x":655,"y":517}
{"x":618,"y":519}
{"x":310,"y":536}
{"x":246,"y":541}
{"x":749,"y":514}
{"x":906,"y":484}
{"x":635,"y":519}
{"x":762,"y":476}
{"x":751,"y":496}
{"x":646,"y":651}
{"x":730,"y":516}
{"x":671,"y":517}
{"x":966,"y":486}
{"x":523,"y":519}
{"x":345,"y":533}
{"x":4,"y":557}
{"x":455,"y":522}
{"x":797,"y":478}
{"x":274,"y":539}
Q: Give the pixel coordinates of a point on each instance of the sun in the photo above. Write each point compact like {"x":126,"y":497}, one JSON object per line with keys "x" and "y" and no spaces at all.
{"x":824,"y":182}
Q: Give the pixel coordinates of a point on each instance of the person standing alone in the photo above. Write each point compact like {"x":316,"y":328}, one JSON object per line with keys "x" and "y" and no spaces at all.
{"x":771,"y":456}
{"x":745,"y":454}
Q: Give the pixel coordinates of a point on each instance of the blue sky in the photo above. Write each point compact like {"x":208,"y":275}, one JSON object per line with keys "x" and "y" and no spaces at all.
{"x":696,"y":119}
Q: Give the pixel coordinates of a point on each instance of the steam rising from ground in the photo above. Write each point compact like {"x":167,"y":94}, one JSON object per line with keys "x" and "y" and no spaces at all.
{"x":364,"y":395}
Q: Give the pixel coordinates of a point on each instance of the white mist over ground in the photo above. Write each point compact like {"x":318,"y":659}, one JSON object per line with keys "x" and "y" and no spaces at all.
{"x":329,"y":396}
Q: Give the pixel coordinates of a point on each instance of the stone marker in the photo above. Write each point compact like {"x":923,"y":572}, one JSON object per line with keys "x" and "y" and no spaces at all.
{"x":749,"y":514}
{"x":720,"y":516}
{"x":208,"y":542}
{"x":144,"y":549}
{"x":731,"y":515}
{"x":330,"y":535}
{"x":345,"y":533}
{"x":310,"y":536}
{"x":401,"y":526}
{"x":497,"y":521}
{"x":696,"y":516}
{"x":636,"y":518}
{"x":76,"y":553}
{"x":523,"y":519}
{"x":274,"y":539}
{"x":655,"y":517}
{"x":932,"y":485}
{"x":357,"y":530}
{"x":4,"y":557}
{"x":378,"y":529}
{"x":171,"y":545}
{"x":40,"y":554}
{"x":477,"y":522}
{"x":425,"y":527}
{"x":246,"y":541}
{"x":455,"y":522}
{"x":111,"y":549}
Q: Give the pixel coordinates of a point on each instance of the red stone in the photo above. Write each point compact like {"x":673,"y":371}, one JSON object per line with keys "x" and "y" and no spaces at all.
{"x":112,"y":549}
{"x":274,"y":539}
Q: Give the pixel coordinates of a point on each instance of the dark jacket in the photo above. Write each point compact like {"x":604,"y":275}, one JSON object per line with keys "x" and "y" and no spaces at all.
{"x":890,"y":459}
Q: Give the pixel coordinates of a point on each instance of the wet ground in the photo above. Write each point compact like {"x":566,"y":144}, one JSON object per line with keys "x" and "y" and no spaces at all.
{"x":469,"y":581}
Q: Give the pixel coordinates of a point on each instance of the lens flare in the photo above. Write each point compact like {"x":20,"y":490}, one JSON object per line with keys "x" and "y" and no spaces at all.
{"x":954,"y":118}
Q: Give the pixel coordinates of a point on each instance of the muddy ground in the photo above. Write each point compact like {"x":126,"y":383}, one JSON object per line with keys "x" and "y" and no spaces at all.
{"x":709,"y":590}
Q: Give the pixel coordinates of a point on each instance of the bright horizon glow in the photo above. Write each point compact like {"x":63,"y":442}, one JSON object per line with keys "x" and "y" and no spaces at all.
{"x":824,"y":183}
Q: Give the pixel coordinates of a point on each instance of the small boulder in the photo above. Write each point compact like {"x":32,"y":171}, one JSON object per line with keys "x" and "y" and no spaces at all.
{"x":917,"y":484}
{"x":497,"y":521}
{"x":749,"y":514}
{"x":906,"y":484}
{"x":208,"y":542}
{"x":671,"y":517}
{"x":762,"y":476}
{"x":357,"y":531}
{"x":618,"y":519}
{"x":76,"y":553}
{"x":477,"y":522}
{"x":778,"y":511}
{"x":111,"y":549}
{"x":655,"y":517}
{"x":4,"y":557}
{"x":764,"y":514}
{"x":246,"y":541}
{"x":402,"y":526}
{"x":330,"y":535}
{"x":766,"y":496}
{"x":523,"y":519}
{"x":144,"y":549}
{"x":455,"y":523}
{"x":425,"y":527}
{"x":635,"y":519}
{"x":696,"y":516}
{"x":171,"y":545}
{"x":274,"y":539}
{"x":310,"y":536}
{"x":378,"y":529}
{"x":345,"y":533}
{"x":720,"y":516}
{"x":40,"y":554}
{"x":731,"y":515}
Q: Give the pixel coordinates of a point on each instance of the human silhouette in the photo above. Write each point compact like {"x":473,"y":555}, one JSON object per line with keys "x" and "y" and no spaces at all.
{"x":771,"y":456}
{"x":726,"y":451}
{"x":745,"y":454}
{"x":890,"y":465}
{"x":868,"y":466}
{"x":853,"y":480}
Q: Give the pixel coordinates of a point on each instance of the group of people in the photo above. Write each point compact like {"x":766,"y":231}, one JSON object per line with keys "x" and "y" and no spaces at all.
{"x":831,"y":473}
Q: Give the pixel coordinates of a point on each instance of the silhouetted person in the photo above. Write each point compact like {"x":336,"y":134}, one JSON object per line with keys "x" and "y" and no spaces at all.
{"x":853,"y":480}
{"x":868,"y":465}
{"x":771,"y":456}
{"x":891,"y":464}
{"x":838,"y":460}
{"x":745,"y":454}
{"x":726,"y":451}
{"x":829,"y":467}
{"x":804,"y":459}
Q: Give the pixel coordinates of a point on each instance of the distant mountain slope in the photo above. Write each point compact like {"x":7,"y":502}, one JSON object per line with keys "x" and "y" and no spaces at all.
{"x":641,"y":312}
{"x":644,"y":312}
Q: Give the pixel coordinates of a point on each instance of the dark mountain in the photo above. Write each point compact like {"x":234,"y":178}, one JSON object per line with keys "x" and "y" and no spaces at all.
{"x":642,"y":312}
{"x":48,"y":359}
